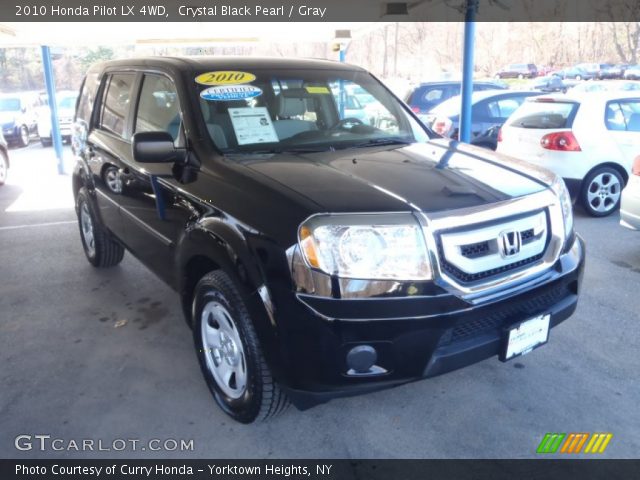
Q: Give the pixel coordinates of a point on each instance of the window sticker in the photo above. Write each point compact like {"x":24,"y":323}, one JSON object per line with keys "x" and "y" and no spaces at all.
{"x":252,"y":125}
{"x":225,"y":93}
{"x":225,"y":78}
{"x":318,"y":90}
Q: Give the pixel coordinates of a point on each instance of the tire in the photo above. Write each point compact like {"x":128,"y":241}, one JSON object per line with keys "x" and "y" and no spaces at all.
{"x":229,"y":353}
{"x":23,"y":136}
{"x":601,"y":192}
{"x":45,"y":142}
{"x":100,"y":248}
{"x":578,"y":77}
{"x":4,"y":168}
{"x":520,"y":76}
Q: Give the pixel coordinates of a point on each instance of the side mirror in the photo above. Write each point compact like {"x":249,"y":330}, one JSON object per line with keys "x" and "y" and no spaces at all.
{"x":156,"y":147}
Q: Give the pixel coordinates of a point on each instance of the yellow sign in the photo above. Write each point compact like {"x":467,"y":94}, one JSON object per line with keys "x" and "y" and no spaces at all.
{"x":225,"y":78}
{"x":322,"y":90}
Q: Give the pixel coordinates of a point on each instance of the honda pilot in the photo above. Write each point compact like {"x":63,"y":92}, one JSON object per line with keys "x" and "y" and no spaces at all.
{"x":316,"y":255}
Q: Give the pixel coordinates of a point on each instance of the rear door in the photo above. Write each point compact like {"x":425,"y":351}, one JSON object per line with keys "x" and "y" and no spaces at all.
{"x":622,"y":120}
{"x":108,"y":143}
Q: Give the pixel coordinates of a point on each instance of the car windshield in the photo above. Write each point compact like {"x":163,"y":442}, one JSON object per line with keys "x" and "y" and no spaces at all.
{"x":9,"y":104}
{"x":283,"y":110}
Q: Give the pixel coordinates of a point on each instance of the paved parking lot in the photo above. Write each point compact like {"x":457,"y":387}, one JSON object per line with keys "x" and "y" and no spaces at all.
{"x":106,"y":355}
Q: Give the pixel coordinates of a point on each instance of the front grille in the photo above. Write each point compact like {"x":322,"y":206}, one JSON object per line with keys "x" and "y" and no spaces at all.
{"x":474,"y":277}
{"x":474,"y":253}
{"x":494,"y":321}
{"x":475,"y":249}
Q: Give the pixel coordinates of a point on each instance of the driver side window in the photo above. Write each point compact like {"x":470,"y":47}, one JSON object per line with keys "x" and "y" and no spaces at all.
{"x":158,"y":107}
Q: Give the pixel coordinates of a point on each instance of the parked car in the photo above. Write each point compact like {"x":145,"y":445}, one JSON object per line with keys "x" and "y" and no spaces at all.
{"x":574,"y":73}
{"x":18,"y":117}
{"x":429,"y":95}
{"x":518,"y":70}
{"x":630,"y":204}
{"x":4,"y":160}
{"x":489,"y":109}
{"x":593,"y":69}
{"x":548,"y":84}
{"x":66,"y":100}
{"x":632,"y":72}
{"x":606,"y":86}
{"x":316,"y":256}
{"x":610,"y":72}
{"x":588,"y":139}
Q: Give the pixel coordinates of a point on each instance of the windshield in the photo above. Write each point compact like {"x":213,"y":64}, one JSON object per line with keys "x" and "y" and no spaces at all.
{"x":9,"y":104}
{"x":301,"y":110}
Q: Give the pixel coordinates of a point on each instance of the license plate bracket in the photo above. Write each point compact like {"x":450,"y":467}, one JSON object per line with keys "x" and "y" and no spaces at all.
{"x":522,"y":338}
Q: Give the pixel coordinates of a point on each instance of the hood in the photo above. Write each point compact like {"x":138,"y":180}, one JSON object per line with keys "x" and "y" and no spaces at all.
{"x":439,"y":175}
{"x":8,"y":118}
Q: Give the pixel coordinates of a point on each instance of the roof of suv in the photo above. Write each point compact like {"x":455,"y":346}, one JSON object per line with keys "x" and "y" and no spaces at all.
{"x":225,"y":62}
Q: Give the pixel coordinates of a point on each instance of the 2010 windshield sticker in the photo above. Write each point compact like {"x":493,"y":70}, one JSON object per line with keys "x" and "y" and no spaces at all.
{"x":225,"y":78}
{"x":225,"y":93}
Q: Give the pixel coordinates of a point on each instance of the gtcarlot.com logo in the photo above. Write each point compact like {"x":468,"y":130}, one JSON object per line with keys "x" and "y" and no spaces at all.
{"x":574,"y":443}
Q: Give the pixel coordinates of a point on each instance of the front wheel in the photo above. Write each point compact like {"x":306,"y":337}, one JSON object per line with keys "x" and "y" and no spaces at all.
{"x":4,"y":168}
{"x":601,"y":192}
{"x":23,"y":136}
{"x":101,"y":249}
{"x":229,"y":353}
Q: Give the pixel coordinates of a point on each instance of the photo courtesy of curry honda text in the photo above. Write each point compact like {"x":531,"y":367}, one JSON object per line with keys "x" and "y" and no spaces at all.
{"x":316,"y":255}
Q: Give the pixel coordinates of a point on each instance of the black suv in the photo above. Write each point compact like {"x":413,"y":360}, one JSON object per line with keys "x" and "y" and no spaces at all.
{"x":315,"y":255}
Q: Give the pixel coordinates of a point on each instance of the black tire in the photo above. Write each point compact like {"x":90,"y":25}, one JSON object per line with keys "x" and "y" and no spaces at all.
{"x":601,"y":191}
{"x":23,"y":136}
{"x":103,"y":251}
{"x":4,"y":167}
{"x":261,"y":398}
{"x":45,"y":142}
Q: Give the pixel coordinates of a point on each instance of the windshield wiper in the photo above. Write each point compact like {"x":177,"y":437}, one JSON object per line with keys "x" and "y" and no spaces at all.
{"x":376,"y":142}
{"x":285,"y":150}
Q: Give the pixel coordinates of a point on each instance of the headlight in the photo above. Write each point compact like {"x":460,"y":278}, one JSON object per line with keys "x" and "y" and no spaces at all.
{"x":560,"y":189}
{"x":366,"y":246}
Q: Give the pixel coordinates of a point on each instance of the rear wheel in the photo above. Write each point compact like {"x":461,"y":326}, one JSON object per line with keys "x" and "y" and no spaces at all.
{"x":101,"y":249}
{"x":520,"y":76}
{"x":229,"y":353}
{"x":601,"y":191}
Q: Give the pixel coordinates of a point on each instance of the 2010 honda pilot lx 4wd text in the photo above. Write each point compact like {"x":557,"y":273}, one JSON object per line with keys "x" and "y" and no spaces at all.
{"x":316,"y":255}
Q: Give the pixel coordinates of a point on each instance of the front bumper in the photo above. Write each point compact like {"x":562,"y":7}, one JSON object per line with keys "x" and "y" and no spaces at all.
{"x":630,"y":205}
{"x":415,"y":337}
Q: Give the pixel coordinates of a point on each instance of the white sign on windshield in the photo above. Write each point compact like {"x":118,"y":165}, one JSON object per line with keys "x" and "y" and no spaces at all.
{"x":252,"y":125}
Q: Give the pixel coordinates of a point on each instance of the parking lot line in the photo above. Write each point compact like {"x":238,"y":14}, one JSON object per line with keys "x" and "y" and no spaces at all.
{"x":33,"y":225}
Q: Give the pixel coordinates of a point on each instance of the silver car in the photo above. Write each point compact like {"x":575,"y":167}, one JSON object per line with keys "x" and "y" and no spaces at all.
{"x":630,"y":205}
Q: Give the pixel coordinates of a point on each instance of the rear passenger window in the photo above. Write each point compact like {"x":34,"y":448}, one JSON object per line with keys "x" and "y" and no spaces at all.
{"x":623,"y":115}
{"x":158,"y":108}
{"x":544,"y":115}
{"x":116,"y":103}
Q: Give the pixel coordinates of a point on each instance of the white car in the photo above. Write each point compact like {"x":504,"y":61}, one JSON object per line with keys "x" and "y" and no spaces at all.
{"x":66,"y":109}
{"x":630,"y":206}
{"x":607,"y":86}
{"x":589,"y":139}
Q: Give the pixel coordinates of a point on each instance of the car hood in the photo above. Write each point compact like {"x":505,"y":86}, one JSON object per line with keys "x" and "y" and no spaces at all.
{"x":8,"y":117}
{"x":435,"y":176}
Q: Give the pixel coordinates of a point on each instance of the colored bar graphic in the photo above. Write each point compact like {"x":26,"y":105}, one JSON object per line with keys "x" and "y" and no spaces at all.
{"x":574,"y":442}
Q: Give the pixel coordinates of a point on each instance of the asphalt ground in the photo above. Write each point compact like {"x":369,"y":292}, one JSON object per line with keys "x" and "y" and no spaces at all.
{"x":106,"y":355}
